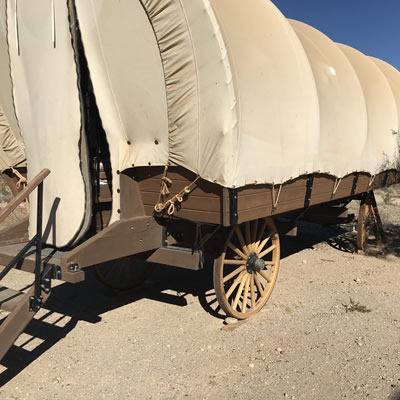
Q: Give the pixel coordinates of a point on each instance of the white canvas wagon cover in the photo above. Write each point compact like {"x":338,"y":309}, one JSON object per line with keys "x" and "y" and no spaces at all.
{"x":229,"y":89}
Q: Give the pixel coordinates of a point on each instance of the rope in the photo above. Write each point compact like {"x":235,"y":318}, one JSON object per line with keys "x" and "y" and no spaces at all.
{"x":172,"y":203}
{"x":22,"y":181}
{"x":275,"y":200}
{"x":371,"y":181}
{"x":336,"y":186}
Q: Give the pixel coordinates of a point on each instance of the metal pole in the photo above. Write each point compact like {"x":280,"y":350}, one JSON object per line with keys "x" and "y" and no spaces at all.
{"x":39,"y":242}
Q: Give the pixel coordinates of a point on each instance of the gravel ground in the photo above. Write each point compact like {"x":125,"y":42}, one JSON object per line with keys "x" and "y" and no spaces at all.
{"x":331,"y":330}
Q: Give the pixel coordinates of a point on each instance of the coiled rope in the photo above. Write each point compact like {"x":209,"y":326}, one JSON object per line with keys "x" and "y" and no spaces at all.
{"x":174,"y":201}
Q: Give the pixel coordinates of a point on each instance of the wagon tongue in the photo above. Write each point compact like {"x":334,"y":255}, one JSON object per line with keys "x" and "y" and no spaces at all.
{"x":254,"y":263}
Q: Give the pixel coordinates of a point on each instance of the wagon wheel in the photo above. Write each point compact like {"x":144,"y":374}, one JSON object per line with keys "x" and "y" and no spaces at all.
{"x":246,"y":271}
{"x":124,"y":273}
{"x":365,"y":216}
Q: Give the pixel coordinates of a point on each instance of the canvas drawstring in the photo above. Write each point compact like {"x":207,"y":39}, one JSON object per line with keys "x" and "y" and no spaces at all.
{"x":336,"y":186}
{"x":371,"y":181}
{"x":21,"y":181}
{"x":275,"y":198}
{"x":172,"y":203}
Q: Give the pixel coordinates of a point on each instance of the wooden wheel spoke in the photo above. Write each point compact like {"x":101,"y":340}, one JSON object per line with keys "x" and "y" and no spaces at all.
{"x":262,"y":230}
{"x":254,"y":231}
{"x":237,"y":251}
{"x":123,"y":274}
{"x":265,"y":276}
{"x":265,"y":252}
{"x":269,"y":263}
{"x":248,"y":236}
{"x":234,"y":273}
{"x":233,"y":262}
{"x":263,"y":243}
{"x":246,"y":293}
{"x":259,"y":286}
{"x":252,"y":292}
{"x":241,"y":240}
{"x":119,"y":273}
{"x":235,"y":284}
{"x":239,"y":292}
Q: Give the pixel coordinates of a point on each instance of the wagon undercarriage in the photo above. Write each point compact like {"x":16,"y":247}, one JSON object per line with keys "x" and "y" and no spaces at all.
{"x":241,"y":234}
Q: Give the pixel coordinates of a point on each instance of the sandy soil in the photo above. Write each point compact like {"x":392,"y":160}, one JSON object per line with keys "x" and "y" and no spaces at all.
{"x":164,"y":341}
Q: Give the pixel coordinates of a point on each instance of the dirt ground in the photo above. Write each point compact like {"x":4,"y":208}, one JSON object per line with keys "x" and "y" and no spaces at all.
{"x":331,"y":330}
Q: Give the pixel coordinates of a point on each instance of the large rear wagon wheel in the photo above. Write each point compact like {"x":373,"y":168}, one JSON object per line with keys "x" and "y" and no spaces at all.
{"x":124,"y":273}
{"x":246,"y":271}
{"x":363,"y":225}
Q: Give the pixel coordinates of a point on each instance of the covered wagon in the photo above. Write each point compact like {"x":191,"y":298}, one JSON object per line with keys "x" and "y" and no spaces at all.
{"x":177,"y":131}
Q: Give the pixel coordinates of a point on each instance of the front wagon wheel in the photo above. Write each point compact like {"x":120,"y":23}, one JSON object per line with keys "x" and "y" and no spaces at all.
{"x":246,"y":271}
{"x":124,"y":273}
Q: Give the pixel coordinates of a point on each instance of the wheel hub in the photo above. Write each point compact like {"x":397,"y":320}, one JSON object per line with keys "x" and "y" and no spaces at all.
{"x":254,"y":264}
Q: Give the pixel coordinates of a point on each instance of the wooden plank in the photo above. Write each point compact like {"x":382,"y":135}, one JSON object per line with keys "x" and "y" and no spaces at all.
{"x":9,"y":298}
{"x":15,"y":233}
{"x":120,"y":239}
{"x":7,"y":253}
{"x":177,"y":257}
{"x":20,"y":197}
{"x":190,"y":202}
{"x":17,"y":321}
{"x":192,"y":215}
{"x":254,"y":201}
{"x":208,"y":189}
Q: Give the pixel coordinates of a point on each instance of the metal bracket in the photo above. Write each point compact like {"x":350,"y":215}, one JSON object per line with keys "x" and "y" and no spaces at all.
{"x":355,"y":181}
{"x":310,"y":183}
{"x":200,"y":240}
{"x":35,"y":303}
{"x":73,"y":267}
{"x":55,"y":271}
{"x":48,"y":272}
{"x":385,"y":179}
{"x":233,"y":206}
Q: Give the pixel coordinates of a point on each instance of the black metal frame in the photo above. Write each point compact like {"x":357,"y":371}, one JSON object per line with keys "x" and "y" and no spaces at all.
{"x":42,"y":281}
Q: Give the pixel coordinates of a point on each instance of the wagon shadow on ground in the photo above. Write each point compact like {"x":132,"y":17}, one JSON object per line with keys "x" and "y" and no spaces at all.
{"x":395,"y":396}
{"x":87,"y":301}
{"x":344,"y":238}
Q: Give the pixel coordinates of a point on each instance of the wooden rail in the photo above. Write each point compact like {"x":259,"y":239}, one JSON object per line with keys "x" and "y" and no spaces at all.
{"x":21,"y":196}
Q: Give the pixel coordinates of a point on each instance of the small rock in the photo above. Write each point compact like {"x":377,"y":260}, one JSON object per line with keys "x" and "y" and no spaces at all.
{"x":230,"y":321}
{"x":251,"y":365}
{"x":304,"y":261}
{"x":279,"y":350}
